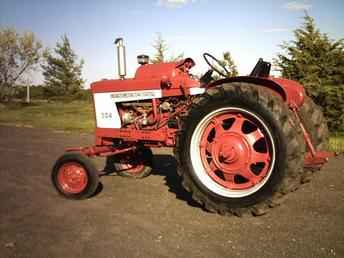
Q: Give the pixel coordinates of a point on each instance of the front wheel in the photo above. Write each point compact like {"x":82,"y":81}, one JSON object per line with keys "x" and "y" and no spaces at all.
{"x":238,"y":149}
{"x":74,"y":176}
{"x":135,"y":164}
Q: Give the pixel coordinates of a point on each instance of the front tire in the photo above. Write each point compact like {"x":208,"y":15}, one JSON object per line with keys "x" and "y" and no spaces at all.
{"x":136,"y":164}
{"x":238,"y":150}
{"x":74,"y":176}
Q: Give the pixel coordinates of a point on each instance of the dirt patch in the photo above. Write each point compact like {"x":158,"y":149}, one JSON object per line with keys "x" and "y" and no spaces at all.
{"x":153,"y":217}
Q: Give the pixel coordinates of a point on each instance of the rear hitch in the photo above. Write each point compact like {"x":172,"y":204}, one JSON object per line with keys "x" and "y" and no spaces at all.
{"x":313,"y":158}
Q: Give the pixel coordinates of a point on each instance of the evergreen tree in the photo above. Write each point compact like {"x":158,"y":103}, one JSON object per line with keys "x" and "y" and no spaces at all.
{"x":318,"y":63}
{"x":312,"y":58}
{"x":228,"y":62}
{"x":62,"y":71}
{"x":161,"y":48}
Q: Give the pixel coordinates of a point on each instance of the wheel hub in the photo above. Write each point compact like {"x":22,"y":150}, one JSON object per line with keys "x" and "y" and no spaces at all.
{"x":228,"y":154}
{"x":72,"y":178}
{"x":231,"y":152}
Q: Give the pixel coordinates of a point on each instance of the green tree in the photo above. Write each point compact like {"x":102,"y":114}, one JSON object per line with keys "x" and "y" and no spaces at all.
{"x":318,"y":63}
{"x":229,"y":64}
{"x":62,"y":71}
{"x":20,"y":54}
{"x":161,"y":49}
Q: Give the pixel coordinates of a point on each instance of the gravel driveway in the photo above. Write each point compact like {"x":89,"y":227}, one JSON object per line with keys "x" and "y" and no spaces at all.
{"x":153,"y":217}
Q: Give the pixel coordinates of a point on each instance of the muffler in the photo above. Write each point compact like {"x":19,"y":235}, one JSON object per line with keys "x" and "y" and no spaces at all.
{"x":121,"y":59}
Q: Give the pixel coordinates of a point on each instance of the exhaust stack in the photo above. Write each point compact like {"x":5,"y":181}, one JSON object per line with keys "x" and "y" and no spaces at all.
{"x":121,"y":60}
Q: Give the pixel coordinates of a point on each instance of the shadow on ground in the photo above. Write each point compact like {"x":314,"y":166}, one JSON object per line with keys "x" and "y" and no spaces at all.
{"x":166,"y":166}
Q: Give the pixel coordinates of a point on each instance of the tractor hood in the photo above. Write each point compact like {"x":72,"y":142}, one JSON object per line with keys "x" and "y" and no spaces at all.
{"x":165,"y":71}
{"x":173,"y":78}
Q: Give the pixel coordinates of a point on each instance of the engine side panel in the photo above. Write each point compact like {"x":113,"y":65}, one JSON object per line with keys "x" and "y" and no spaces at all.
{"x":105,"y":103}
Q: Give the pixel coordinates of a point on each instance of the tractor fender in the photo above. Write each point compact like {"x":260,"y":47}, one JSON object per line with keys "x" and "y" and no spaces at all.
{"x":291,"y":92}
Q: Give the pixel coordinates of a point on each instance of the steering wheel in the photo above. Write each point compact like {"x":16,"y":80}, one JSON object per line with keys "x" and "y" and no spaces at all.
{"x":209,"y":59}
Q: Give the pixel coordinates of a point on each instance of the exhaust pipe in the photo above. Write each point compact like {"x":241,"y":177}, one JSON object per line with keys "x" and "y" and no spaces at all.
{"x":121,"y":62}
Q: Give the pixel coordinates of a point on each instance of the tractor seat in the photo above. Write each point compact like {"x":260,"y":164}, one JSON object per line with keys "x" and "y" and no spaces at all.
{"x":262,"y":69}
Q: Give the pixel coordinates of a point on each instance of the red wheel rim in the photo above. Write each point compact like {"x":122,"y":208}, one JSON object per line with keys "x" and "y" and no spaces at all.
{"x":127,"y":164}
{"x":235,"y":150}
{"x":131,"y":168}
{"x":72,"y":177}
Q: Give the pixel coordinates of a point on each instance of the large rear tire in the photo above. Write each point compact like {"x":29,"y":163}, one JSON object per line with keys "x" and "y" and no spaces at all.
{"x":238,"y":150}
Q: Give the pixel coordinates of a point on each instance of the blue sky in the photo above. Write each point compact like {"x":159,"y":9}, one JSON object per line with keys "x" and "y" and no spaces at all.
{"x":248,"y":29}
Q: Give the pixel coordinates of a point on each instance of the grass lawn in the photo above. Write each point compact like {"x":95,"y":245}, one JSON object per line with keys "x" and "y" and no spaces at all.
{"x":77,"y":116}
{"x":72,"y":116}
{"x":337,"y":143}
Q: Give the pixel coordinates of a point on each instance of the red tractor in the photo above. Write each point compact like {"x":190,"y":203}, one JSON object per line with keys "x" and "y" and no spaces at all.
{"x":241,"y":143}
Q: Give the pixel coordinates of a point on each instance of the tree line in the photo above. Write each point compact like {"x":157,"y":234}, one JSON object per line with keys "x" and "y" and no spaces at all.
{"x":317,"y":62}
{"x":23,"y":54}
{"x":311,"y":58}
